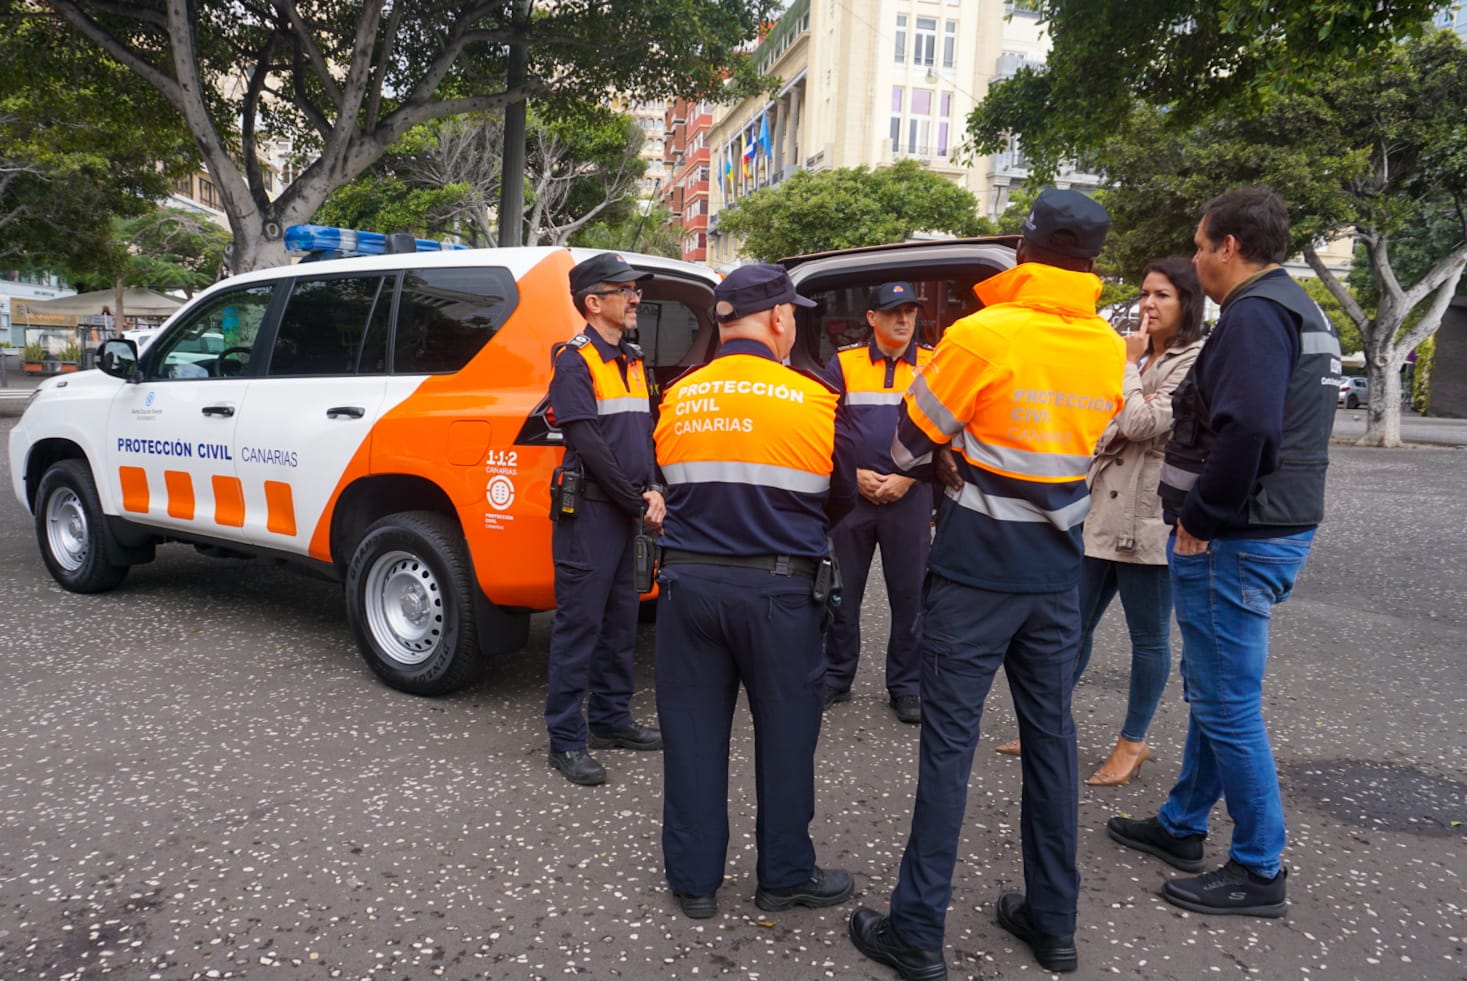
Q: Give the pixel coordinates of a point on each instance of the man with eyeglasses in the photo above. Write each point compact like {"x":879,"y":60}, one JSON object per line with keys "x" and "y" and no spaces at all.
{"x":598,"y":398}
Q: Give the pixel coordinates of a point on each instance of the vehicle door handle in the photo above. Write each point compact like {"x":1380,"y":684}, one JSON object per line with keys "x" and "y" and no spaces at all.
{"x":350,"y":411}
{"x":219,"y":410}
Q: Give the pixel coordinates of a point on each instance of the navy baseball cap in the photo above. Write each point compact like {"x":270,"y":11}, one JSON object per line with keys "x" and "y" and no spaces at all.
{"x":889,"y":296}
{"x":608,"y":267}
{"x":1067,"y":223}
{"x":750,"y":289}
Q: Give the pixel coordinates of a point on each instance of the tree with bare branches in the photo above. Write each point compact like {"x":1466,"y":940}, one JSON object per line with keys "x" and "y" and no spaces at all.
{"x":343,"y":80}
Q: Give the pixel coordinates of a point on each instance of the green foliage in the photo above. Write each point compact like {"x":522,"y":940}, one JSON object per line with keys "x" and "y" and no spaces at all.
{"x":383,"y":201}
{"x":35,"y":352}
{"x":82,"y":141}
{"x":172,"y":250}
{"x":1192,"y":56}
{"x":849,"y":207}
{"x":72,"y":352}
{"x":655,"y":233}
{"x":1421,"y":377}
{"x":1350,"y":340}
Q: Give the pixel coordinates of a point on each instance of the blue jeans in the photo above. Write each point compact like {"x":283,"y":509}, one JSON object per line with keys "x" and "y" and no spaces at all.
{"x":1224,"y":598}
{"x":1146,"y":598}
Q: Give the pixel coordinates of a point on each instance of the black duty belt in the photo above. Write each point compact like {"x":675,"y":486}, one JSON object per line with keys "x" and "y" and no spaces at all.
{"x":778,"y":565}
{"x":593,"y":492}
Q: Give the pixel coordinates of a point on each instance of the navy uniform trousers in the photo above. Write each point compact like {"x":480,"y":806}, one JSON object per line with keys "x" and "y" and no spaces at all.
{"x":716,"y":627}
{"x":966,"y":634}
{"x":903,"y":529}
{"x":595,"y":624}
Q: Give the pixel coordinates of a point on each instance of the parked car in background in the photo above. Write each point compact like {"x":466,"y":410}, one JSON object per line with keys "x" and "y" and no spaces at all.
{"x":1352,"y":391}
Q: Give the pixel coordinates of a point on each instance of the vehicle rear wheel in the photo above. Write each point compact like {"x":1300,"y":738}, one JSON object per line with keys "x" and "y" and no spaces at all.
{"x":410,"y":603}
{"x":71,"y":530}
{"x":1352,"y":402}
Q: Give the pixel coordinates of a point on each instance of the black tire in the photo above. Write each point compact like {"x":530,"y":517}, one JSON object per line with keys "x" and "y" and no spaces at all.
{"x":72,"y":530}
{"x":1351,"y":402}
{"x":410,"y":602}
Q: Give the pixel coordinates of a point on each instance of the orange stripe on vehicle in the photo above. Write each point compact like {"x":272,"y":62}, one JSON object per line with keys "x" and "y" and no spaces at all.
{"x":280,"y":508}
{"x":180,"y":488}
{"x":229,"y":508}
{"x":134,"y":489}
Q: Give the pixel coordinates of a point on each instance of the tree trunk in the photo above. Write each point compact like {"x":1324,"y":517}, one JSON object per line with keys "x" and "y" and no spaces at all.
{"x":1383,"y":403}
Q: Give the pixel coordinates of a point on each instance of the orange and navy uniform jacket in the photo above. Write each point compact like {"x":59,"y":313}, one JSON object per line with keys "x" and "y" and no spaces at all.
{"x":606,"y":384}
{"x":754,"y":458}
{"x":871,"y":386}
{"x":1023,"y":390}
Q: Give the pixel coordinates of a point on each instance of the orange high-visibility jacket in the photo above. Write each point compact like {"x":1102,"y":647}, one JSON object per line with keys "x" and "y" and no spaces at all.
{"x":1023,"y":390}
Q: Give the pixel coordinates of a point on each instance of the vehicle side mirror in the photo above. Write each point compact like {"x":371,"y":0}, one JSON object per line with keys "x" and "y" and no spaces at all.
{"x":118,"y":358}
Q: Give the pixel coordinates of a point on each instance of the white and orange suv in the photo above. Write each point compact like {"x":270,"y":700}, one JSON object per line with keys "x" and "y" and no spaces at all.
{"x":382,"y":418}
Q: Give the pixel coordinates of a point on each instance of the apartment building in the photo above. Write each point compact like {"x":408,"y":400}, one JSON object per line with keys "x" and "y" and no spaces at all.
{"x":685,"y":133}
{"x":873,"y":83}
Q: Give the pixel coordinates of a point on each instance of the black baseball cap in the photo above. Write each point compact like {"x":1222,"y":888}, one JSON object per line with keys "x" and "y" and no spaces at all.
{"x":1081,"y":217}
{"x":888,"y":296}
{"x":749,"y":289}
{"x":608,"y":267}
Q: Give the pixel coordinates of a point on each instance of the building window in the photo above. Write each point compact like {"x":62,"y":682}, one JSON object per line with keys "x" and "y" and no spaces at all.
{"x":901,"y":39}
{"x":949,"y":43}
{"x":896,"y":114}
{"x":943,"y":119}
{"x":925,"y":50}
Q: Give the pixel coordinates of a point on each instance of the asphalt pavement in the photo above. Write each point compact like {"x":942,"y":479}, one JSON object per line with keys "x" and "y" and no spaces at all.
{"x":203,"y":779}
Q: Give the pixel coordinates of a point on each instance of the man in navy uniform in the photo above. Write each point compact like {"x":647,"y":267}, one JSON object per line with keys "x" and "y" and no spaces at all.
{"x":890,"y":510}
{"x":757,"y":469}
{"x":598,"y":395}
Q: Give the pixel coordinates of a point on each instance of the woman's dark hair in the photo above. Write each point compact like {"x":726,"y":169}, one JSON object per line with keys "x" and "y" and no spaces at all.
{"x":1183,"y":277}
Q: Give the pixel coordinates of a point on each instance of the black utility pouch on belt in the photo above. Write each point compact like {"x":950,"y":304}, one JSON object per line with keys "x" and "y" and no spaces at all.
{"x":567,"y":489}
{"x":644,"y":561}
{"x":826,"y":587}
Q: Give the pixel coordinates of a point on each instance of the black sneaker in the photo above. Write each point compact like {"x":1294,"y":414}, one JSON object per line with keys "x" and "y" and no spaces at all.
{"x":1053,"y":951}
{"x":1149,"y":836}
{"x":632,"y":737}
{"x":827,"y":887}
{"x":696,"y":907}
{"x":1230,"y":890}
{"x":908,"y":708}
{"x":579,"y":767}
{"x":873,"y":936}
{"x":833,"y":695}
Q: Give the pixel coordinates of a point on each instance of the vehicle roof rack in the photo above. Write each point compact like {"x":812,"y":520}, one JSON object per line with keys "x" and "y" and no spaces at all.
{"x":323,"y":242}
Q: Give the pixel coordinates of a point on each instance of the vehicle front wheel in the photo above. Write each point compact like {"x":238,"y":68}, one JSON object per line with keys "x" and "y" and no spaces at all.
{"x":71,"y":530}
{"x":410,"y":602}
{"x":1351,"y":402}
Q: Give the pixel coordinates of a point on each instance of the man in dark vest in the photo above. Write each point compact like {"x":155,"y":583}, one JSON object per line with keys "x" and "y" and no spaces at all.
{"x":1243,"y":482}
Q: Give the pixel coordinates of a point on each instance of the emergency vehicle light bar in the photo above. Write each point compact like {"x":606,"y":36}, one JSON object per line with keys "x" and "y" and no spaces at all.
{"x":350,"y":242}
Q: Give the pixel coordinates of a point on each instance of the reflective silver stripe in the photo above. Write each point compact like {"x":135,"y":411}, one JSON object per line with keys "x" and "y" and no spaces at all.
{"x":1026,"y":462}
{"x":903,"y":457}
{"x":892,"y":397}
{"x":1174,"y":476}
{"x":1019,"y":510}
{"x":610,"y":407}
{"x":1318,"y":342}
{"x":759,"y":474}
{"x":932,"y":407}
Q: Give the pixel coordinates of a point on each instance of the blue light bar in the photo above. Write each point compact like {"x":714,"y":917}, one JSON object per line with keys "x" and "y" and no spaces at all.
{"x":349,"y":242}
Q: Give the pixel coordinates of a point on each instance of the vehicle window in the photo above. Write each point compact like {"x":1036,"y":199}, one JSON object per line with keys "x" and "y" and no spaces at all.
{"x":839,"y":317}
{"x":665,"y":330}
{"x":217,"y":338}
{"x":446,"y":316}
{"x":324,"y":323}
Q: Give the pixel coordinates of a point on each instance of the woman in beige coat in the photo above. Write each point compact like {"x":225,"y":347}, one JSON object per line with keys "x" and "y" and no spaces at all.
{"x":1125,"y":538}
